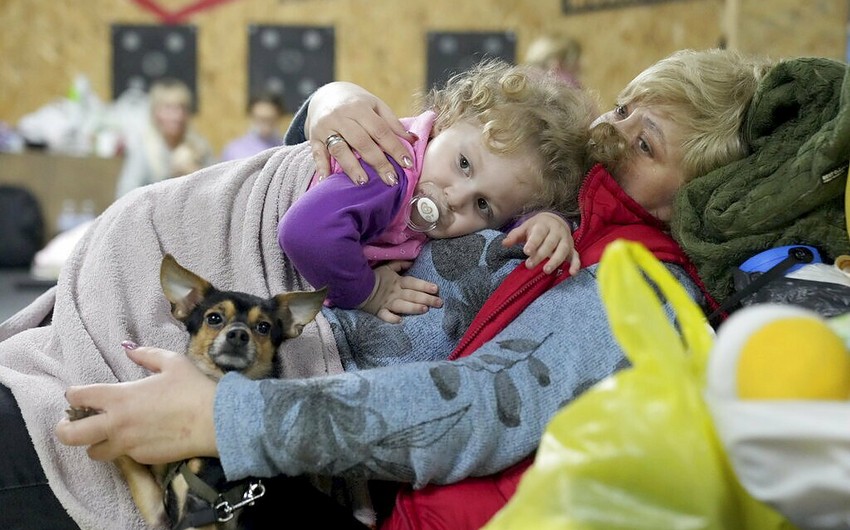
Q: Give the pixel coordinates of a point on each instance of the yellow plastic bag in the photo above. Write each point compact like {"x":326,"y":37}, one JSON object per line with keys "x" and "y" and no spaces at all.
{"x":638,"y":450}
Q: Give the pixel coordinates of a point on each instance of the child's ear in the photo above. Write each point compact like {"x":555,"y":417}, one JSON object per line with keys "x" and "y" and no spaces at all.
{"x":299,"y":308}
{"x":183,"y":288}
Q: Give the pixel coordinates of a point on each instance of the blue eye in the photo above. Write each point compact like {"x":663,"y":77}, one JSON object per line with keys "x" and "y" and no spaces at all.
{"x":484,"y":209}
{"x":464,"y":164}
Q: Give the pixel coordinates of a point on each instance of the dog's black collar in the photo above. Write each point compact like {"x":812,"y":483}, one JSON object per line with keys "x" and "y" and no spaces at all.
{"x":220,"y":506}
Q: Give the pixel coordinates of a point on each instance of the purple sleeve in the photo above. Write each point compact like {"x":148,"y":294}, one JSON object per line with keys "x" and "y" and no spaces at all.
{"x":323,"y":233}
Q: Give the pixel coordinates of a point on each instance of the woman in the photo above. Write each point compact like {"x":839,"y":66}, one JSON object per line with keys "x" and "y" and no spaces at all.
{"x":265,"y":113}
{"x":166,"y":146}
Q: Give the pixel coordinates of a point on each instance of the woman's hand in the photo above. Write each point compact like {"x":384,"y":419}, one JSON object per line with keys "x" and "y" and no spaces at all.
{"x":367,"y":125}
{"x":165,"y":417}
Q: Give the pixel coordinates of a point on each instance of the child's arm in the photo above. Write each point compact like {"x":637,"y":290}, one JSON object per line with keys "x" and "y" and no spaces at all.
{"x":546,"y":235}
{"x":322,"y":234}
{"x":395,"y":295}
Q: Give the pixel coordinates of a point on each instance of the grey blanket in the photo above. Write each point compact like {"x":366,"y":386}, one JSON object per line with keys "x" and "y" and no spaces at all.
{"x":221,"y":223}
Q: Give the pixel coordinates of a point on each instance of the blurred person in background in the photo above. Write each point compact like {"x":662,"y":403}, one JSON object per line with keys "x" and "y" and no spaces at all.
{"x":166,"y":146}
{"x":559,"y":54}
{"x":265,"y":112}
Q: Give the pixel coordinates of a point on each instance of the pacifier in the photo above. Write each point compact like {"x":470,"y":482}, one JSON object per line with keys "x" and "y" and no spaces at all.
{"x":424,"y":214}
{"x":428,"y":209}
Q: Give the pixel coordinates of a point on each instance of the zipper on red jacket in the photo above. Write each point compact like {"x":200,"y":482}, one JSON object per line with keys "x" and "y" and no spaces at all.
{"x":469,"y":337}
{"x":498,"y":310}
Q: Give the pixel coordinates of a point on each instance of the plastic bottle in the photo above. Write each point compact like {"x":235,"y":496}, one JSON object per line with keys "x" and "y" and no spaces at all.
{"x":67,"y":217}
{"x":86,"y":212}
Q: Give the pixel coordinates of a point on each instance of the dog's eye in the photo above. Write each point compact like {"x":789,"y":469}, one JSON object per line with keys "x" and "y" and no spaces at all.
{"x":214,"y":319}
{"x":263,"y":328}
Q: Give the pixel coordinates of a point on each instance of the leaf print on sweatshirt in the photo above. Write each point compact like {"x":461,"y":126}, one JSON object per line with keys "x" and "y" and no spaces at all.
{"x":338,"y":417}
{"x":344,"y":423}
{"x":454,"y":257}
{"x":448,"y":376}
{"x":497,"y":254}
{"x":474,"y":287}
{"x":368,"y":336}
{"x":462,"y":260}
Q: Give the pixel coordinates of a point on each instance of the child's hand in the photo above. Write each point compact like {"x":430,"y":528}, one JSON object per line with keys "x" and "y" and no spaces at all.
{"x":396,"y":295}
{"x":546,"y":235}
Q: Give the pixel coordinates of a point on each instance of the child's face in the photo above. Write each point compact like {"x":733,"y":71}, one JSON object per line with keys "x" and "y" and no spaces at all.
{"x":474,"y":187}
{"x":652,"y":172}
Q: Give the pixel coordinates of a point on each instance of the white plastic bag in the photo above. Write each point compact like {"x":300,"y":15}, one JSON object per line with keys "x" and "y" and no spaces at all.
{"x":791,"y":454}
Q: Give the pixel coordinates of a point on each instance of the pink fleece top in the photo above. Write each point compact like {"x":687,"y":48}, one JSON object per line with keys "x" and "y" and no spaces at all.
{"x":398,"y":242}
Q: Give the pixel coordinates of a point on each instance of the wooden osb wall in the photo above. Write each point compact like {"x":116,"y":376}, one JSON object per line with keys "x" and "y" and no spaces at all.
{"x":381,"y":44}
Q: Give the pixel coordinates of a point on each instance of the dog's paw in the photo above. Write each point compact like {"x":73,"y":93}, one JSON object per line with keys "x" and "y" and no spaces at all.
{"x":78,"y":413}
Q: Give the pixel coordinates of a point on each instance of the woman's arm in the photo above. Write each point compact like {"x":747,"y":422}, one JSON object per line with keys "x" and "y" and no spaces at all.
{"x":418,"y":422}
{"x":367,"y":124}
{"x":428,"y":422}
{"x":423,"y":423}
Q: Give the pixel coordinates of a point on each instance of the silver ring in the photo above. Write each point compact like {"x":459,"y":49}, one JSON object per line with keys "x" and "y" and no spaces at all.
{"x":333,"y":140}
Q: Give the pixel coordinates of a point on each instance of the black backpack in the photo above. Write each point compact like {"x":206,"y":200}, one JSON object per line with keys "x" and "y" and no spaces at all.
{"x":21,"y":226}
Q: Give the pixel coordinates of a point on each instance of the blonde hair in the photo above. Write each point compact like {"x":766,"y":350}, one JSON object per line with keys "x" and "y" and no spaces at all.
{"x":553,"y":50}
{"x":707,"y":93}
{"x":170,"y":91}
{"x":521,"y":108}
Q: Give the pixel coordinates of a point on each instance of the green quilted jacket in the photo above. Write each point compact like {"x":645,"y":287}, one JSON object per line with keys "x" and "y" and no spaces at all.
{"x":789,"y":190}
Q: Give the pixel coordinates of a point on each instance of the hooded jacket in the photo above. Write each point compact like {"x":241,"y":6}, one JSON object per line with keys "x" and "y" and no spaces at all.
{"x":789,"y":190}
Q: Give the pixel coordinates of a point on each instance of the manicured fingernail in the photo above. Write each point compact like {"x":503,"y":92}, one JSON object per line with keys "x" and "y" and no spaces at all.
{"x":414,"y":135}
{"x":129,"y":345}
{"x":406,"y":161}
{"x":392,"y":178}
{"x":361,"y":182}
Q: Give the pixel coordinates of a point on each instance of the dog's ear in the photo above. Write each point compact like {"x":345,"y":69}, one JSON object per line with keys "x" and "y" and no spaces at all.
{"x":299,"y":308}
{"x":183,"y":288}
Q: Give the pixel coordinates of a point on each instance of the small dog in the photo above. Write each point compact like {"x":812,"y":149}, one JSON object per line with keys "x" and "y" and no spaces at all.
{"x":229,"y":331}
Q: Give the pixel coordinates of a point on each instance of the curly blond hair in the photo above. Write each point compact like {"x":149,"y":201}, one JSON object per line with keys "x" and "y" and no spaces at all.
{"x":519,"y":108}
{"x":707,"y":93}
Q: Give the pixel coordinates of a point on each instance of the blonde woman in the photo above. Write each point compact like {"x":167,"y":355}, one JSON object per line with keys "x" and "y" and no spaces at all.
{"x":558,"y":54}
{"x":166,"y":146}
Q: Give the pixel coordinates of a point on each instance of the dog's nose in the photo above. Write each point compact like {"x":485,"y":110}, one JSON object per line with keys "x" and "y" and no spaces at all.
{"x":237,"y":337}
